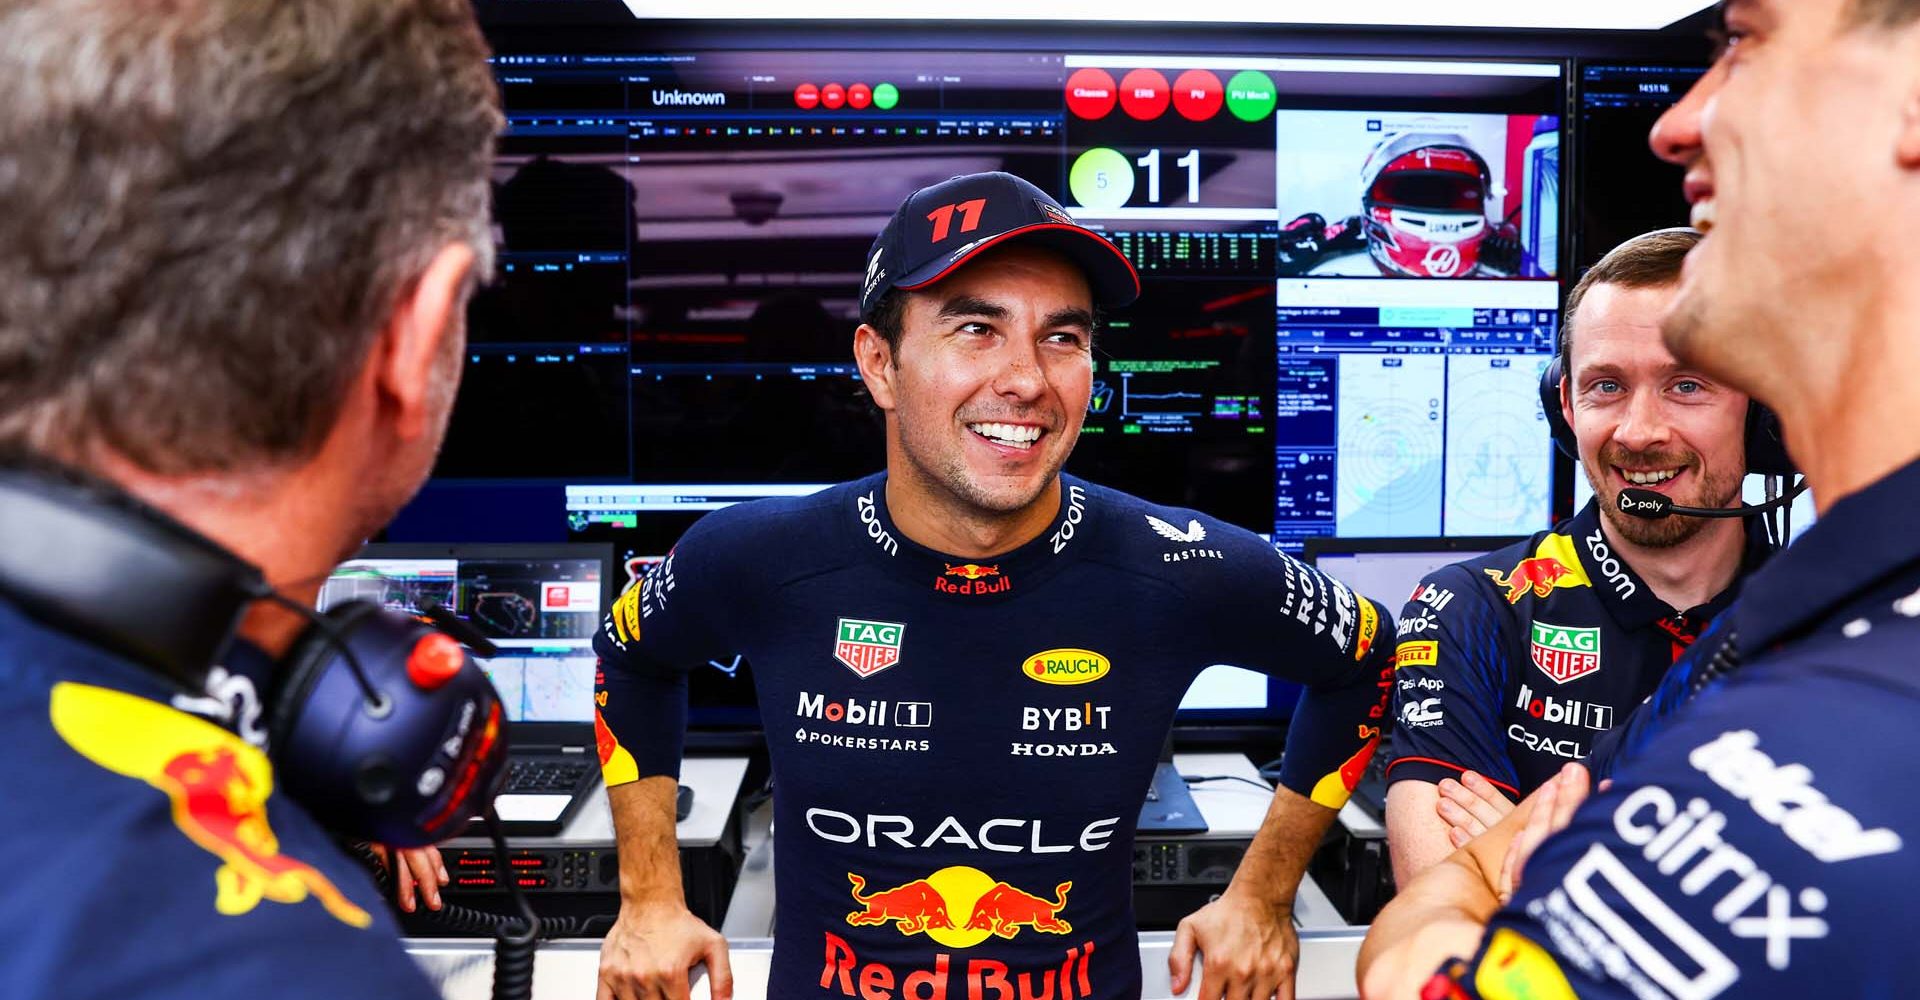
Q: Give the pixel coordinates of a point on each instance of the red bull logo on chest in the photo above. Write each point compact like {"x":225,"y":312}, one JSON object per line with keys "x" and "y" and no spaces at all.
{"x":958,"y":908}
{"x":1553,"y":565}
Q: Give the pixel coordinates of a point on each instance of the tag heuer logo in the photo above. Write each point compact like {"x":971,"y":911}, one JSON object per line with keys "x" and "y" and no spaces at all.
{"x":1565,"y":654}
{"x":868,"y":647}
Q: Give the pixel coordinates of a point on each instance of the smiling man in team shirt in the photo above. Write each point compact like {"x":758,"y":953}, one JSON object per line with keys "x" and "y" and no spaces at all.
{"x":967,"y":665}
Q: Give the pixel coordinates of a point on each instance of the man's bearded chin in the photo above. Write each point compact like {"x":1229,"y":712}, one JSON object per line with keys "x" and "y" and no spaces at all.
{"x":1714,"y":490}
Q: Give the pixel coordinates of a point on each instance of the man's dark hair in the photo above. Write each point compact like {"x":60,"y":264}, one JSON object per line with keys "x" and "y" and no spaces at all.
{"x":1651,"y":260}
{"x":888,"y":317}
{"x":209,"y":207}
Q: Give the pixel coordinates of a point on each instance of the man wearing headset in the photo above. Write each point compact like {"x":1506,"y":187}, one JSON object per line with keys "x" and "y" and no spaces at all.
{"x":1513,"y":664}
{"x":967,"y":664}
{"x":236,"y":241}
{"x":1758,"y":840}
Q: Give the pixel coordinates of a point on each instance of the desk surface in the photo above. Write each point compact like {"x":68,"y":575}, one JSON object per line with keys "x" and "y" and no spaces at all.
{"x":463,"y":969}
{"x":716,"y":786}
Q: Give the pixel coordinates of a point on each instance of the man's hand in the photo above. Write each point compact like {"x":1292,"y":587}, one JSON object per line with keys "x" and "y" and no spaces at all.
{"x":420,"y":866}
{"x":1470,"y":807}
{"x":1553,"y":806}
{"x":649,"y":950}
{"x":1248,"y":949}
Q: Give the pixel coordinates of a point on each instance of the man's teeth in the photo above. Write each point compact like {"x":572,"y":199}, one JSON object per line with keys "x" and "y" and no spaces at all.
{"x":1649,"y":478}
{"x":1011,"y":435}
{"x":1703,"y":215}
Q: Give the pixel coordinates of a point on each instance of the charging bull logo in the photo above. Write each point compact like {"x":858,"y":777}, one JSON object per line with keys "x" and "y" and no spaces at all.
{"x":972,"y":571}
{"x":1554,"y":564}
{"x":219,"y":787}
{"x":959,"y":907}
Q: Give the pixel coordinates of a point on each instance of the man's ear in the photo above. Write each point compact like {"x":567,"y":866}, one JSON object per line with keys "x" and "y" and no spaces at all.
{"x":875,"y":358}
{"x":415,"y":341}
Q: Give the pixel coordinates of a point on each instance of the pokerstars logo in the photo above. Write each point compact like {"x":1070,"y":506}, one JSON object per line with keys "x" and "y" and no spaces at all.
{"x":869,"y":713}
{"x":1567,"y":711}
{"x":1565,"y":654}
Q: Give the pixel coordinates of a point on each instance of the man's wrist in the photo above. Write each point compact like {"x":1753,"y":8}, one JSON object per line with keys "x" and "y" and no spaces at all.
{"x":1263,"y":893}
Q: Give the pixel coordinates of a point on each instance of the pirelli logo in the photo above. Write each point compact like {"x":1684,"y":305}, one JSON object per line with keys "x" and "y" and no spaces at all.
{"x":1425,"y":653}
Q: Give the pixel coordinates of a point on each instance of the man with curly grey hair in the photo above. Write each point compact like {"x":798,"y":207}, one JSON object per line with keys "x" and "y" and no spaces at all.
{"x":236,"y":243}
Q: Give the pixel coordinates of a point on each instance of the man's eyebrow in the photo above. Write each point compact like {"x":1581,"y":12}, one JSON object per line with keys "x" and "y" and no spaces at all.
{"x":971,"y":305}
{"x":1070,"y":316}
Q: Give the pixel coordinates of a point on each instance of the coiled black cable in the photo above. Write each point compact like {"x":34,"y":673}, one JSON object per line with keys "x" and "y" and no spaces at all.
{"x":516,"y":936}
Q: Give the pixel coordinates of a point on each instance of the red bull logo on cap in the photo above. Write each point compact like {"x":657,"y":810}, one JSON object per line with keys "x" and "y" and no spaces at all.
{"x":1553,"y":564}
{"x":219,"y":786}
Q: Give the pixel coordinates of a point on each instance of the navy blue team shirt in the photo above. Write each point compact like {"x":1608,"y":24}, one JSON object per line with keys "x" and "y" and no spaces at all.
{"x":1514,"y":663}
{"x":1761,"y":841}
{"x":152,"y":857}
{"x":960,"y":746}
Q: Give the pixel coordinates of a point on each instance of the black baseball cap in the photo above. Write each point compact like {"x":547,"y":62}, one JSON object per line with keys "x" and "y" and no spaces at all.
{"x":939,"y":228}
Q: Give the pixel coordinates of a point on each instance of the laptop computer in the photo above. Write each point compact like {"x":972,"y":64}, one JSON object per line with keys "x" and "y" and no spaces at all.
{"x":540,"y":605}
{"x":1169,"y":807}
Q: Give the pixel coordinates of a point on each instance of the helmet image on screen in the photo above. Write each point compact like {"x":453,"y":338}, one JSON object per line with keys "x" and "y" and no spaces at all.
{"x":1424,"y":199}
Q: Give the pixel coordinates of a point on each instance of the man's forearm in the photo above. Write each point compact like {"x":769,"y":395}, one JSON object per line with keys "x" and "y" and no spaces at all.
{"x":1278,"y":856}
{"x":1439,"y":915}
{"x":649,"y":847}
{"x":1416,"y":835}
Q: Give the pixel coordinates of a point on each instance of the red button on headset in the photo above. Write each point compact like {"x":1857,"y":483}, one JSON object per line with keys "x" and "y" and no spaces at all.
{"x":435,"y":660}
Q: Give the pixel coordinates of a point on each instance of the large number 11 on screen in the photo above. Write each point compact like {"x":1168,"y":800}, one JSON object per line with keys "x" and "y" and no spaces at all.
{"x":1103,"y":178}
{"x":1191,"y":161}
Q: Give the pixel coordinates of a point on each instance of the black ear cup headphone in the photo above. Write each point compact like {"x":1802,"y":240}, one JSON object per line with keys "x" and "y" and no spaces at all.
{"x":1765,"y":442}
{"x":380,"y":724}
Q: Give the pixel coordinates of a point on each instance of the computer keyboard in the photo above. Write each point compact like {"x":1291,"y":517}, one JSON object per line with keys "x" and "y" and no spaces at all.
{"x":533,"y":776}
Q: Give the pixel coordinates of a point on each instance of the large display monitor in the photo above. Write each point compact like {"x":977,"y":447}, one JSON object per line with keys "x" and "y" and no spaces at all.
{"x":1351,"y":277}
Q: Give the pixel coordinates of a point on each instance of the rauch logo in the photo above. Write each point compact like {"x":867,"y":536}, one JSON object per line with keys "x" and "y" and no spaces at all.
{"x":1067,"y":666}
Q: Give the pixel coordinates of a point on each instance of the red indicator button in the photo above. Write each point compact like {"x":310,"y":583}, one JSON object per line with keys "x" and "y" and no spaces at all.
{"x":859,"y":96}
{"x":1091,"y":93}
{"x":1143,"y":94}
{"x":1197,"y":95}
{"x":807,"y":96}
{"x":833,"y":96}
{"x":435,"y":659}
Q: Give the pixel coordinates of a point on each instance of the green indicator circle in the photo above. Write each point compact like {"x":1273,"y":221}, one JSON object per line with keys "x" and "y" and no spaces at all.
{"x":1250,"y":95}
{"x":885,"y":96}
{"x":1101,"y":178}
